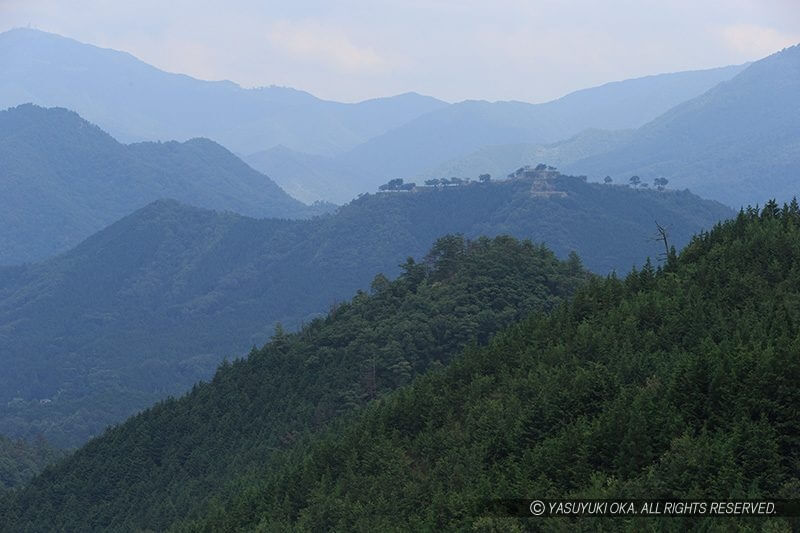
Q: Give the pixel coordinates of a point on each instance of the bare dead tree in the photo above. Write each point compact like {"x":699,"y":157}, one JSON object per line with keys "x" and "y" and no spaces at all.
{"x":662,"y":236}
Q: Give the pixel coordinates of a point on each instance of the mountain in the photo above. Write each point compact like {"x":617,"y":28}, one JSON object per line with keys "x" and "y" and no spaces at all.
{"x":462,"y":128}
{"x":137,"y":102}
{"x":642,"y":386}
{"x":151,"y":304}
{"x":63,"y":178}
{"x":738,"y":143}
{"x":461,"y":293}
{"x":423,"y":146}
{"x":674,"y":384}
{"x":317,"y":149}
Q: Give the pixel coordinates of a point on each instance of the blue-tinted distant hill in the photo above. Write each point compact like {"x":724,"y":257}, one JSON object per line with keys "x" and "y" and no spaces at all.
{"x":423,"y":146}
{"x":62,"y":179}
{"x":319,"y":150}
{"x":738,"y":143}
{"x":135,"y":101}
{"x":461,"y":128}
{"x":151,"y":304}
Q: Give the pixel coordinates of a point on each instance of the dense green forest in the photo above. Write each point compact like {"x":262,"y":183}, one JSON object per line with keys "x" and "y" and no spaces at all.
{"x":152,"y":304}
{"x":674,"y":382}
{"x":164,"y":464}
{"x":20,"y":460}
{"x":64,"y":179}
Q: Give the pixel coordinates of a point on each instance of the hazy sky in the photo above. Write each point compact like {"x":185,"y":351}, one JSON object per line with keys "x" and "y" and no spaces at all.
{"x":350,"y":50}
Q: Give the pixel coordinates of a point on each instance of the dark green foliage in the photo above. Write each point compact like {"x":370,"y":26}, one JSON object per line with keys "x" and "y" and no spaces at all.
{"x":63,"y":178}
{"x":153,"y":303}
{"x":678,"y":382}
{"x":166,"y":462}
{"x":20,"y":461}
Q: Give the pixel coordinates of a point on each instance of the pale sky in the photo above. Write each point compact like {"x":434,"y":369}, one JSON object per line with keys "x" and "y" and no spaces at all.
{"x":350,"y":50}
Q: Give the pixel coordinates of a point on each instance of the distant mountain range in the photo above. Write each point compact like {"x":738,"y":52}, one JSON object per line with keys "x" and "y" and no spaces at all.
{"x":314,"y":149}
{"x":63,"y":179}
{"x":151,"y":304}
{"x":137,"y":102}
{"x":738,"y":143}
{"x":417,"y":147}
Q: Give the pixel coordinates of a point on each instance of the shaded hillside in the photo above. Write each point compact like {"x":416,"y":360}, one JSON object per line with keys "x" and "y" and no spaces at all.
{"x":675,"y":384}
{"x":20,"y":460}
{"x":137,"y":102}
{"x":63,"y":178}
{"x":166,"y":462}
{"x":738,"y":143}
{"x":151,"y":304}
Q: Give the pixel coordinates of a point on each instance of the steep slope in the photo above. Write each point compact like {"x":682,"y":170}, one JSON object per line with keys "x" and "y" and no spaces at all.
{"x":165,"y":463}
{"x":674,"y":384}
{"x":462,"y":128}
{"x":62,"y":178}
{"x":149,"y":305}
{"x":738,"y":143}
{"x":137,"y":102}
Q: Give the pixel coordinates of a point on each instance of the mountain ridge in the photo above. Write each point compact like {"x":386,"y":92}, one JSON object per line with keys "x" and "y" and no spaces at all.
{"x":150,"y":305}
{"x":135,"y":101}
{"x":64,"y":178}
{"x":737,"y":143}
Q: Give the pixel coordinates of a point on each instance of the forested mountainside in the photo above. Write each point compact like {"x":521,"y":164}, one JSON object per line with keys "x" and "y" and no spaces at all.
{"x":428,"y":141}
{"x":673,"y":382}
{"x":135,"y":101}
{"x":165,"y":463}
{"x":738,"y":143}
{"x":63,"y":179}
{"x":150,"y":305}
{"x":20,"y":460}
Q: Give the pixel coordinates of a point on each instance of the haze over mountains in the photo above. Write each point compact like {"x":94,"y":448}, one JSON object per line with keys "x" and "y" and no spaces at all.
{"x":134,"y":101}
{"x":63,"y":178}
{"x":737,"y":143}
{"x":424,"y":349}
{"x":415,"y":148}
{"x":151,"y":304}
{"x":314,"y":149}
